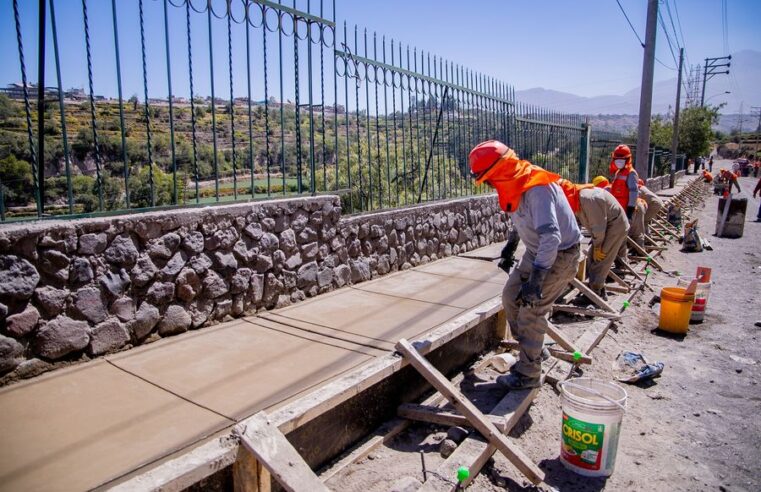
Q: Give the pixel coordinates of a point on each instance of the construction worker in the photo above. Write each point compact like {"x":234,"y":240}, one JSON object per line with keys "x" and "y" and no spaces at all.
{"x":756,"y":191}
{"x":545,"y":223}
{"x":707,"y":177}
{"x":601,"y":214}
{"x":624,"y":179}
{"x":636,"y":218}
{"x":654,"y":203}
{"x":729,"y":179}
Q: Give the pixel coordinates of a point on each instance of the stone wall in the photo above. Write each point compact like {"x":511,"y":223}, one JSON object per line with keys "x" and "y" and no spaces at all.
{"x":73,"y":290}
{"x":662,"y":182}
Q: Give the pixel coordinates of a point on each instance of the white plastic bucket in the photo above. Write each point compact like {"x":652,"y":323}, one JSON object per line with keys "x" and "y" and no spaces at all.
{"x":591,"y":424}
{"x":701,"y":298}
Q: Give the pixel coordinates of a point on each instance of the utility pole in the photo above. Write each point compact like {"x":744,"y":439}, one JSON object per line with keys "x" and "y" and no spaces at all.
{"x":740,"y":135}
{"x":675,"y":136}
{"x":711,"y":68}
{"x":646,"y":93}
{"x":755,"y":111}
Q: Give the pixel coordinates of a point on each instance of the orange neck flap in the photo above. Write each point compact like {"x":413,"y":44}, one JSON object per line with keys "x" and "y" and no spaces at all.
{"x":572,"y":191}
{"x":514,"y":177}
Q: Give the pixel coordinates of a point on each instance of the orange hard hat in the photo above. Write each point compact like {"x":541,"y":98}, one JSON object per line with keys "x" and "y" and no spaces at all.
{"x":622,"y":152}
{"x":600,"y":181}
{"x":485,"y":156}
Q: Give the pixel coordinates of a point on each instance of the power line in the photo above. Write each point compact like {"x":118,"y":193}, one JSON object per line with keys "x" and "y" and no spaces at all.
{"x":681,"y":32}
{"x":668,"y":38}
{"x":630,"y":23}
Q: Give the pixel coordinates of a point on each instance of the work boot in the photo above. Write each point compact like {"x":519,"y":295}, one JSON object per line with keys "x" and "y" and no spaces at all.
{"x":517,"y":381}
{"x":602,"y":293}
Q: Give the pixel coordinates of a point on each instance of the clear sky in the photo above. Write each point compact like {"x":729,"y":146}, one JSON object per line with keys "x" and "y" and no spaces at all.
{"x":584,"y":47}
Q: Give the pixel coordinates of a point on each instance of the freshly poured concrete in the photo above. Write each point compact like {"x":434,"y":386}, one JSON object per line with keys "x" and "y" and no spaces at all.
{"x":435,"y":289}
{"x":380,"y":320}
{"x":78,"y":428}
{"x":82,"y":427}
{"x":238,"y":368}
{"x":468,"y":269}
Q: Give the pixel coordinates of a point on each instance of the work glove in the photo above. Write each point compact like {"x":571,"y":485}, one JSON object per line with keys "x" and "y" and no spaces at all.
{"x":531,"y":290}
{"x":598,"y":254}
{"x":629,"y":212}
{"x":507,"y":256}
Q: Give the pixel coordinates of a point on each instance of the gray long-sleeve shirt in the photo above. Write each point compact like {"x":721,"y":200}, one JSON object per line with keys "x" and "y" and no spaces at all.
{"x":545,"y":223}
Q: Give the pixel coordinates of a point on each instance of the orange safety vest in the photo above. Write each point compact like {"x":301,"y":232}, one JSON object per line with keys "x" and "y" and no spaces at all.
{"x":619,"y":188}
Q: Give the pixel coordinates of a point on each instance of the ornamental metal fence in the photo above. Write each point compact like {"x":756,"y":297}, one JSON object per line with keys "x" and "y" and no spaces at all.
{"x":187,"y":103}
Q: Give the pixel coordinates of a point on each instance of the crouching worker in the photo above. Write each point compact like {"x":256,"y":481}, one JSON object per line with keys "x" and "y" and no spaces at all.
{"x":601,"y":214}
{"x":545,"y":223}
{"x":653,"y":202}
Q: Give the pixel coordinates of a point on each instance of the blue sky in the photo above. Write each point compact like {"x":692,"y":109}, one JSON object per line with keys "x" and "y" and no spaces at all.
{"x":584,"y":46}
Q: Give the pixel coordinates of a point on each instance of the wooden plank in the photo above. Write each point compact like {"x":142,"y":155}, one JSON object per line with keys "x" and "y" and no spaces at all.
{"x":245,"y":472}
{"x":631,"y":270}
{"x":644,"y":253}
{"x":435,"y":415}
{"x":618,"y":289}
{"x":384,"y":434}
{"x":619,"y":280}
{"x":591,"y":295}
{"x":529,"y":469}
{"x":589,"y":312}
{"x":270,"y":447}
{"x":474,"y":452}
{"x":568,"y":357}
{"x":558,"y":336}
{"x":503,"y":329}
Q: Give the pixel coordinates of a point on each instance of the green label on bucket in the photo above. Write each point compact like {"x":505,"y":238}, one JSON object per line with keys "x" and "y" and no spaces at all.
{"x":582,"y":443}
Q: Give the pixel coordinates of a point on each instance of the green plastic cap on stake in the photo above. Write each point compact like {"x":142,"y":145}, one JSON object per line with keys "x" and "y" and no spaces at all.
{"x":648,"y":271}
{"x":649,"y":259}
{"x":576,"y":355}
{"x":463,"y":473}
{"x":626,"y":304}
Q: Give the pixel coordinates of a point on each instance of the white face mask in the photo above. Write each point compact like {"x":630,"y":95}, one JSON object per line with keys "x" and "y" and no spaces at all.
{"x":620,"y":163}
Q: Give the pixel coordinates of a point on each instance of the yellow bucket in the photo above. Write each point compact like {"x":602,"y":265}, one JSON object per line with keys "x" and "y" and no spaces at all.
{"x":676,"y":308}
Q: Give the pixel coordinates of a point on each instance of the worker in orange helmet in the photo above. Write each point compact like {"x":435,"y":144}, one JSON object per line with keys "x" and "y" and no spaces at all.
{"x":544,"y":221}
{"x":730,"y":179}
{"x":654,"y":204}
{"x":707,"y":176}
{"x":624,"y":179}
{"x":601,"y":214}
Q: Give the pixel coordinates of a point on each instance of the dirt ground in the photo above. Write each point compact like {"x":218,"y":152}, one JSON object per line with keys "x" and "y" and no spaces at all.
{"x":694,"y":428}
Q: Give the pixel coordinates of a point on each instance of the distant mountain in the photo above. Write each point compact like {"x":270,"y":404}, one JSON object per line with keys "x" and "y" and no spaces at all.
{"x":744,"y":85}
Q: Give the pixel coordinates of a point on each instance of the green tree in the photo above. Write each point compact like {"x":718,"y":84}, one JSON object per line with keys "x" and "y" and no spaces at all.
{"x":17,"y":181}
{"x":695,"y":134}
{"x":140,"y":187}
{"x":661,"y":131}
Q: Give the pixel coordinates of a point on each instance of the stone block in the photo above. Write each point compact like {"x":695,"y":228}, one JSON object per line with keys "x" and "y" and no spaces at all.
{"x":23,"y":323}
{"x":61,"y":336}
{"x":108,"y":336}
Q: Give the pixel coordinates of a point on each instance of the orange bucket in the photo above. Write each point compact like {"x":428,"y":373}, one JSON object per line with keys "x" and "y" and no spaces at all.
{"x":676,"y":308}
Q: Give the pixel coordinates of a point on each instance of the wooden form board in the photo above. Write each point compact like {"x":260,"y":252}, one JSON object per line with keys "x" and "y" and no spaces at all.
{"x":270,"y":447}
{"x":477,"y":419}
{"x":474,"y":452}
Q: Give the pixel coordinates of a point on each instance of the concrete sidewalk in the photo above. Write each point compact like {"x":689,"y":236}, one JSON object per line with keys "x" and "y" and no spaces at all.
{"x":84,"y":426}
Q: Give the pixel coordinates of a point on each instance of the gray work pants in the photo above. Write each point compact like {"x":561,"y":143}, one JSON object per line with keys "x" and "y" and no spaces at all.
{"x":528,"y":324}
{"x":636,"y":230}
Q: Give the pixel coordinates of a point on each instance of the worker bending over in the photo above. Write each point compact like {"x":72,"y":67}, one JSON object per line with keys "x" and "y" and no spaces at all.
{"x":636,"y":218}
{"x":707,"y":177}
{"x":653,"y":202}
{"x":601,"y":214}
{"x":545,"y":223}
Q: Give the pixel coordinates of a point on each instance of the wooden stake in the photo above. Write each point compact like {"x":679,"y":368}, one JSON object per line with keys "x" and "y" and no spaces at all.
{"x":270,"y":447}
{"x":591,"y":295}
{"x":641,"y":251}
{"x":474,"y":416}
